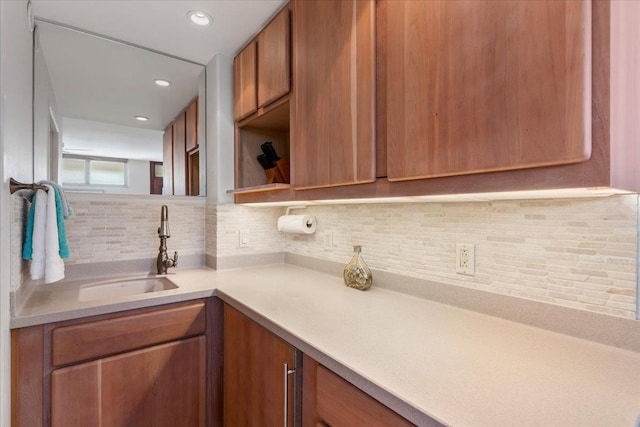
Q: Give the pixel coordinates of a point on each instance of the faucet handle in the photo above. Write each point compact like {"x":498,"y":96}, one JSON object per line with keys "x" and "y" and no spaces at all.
{"x":175,"y":258}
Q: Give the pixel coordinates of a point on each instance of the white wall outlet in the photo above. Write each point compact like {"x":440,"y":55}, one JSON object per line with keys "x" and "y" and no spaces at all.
{"x":327,"y":240}
{"x":465,"y":259}
{"x":243,"y":238}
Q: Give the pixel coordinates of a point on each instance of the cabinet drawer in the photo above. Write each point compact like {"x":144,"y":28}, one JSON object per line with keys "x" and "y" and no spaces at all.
{"x":75,"y":343}
{"x":340,"y":403}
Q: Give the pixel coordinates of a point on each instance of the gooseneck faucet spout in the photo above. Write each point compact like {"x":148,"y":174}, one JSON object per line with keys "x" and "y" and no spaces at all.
{"x":163,"y":231}
{"x":163,"y":262}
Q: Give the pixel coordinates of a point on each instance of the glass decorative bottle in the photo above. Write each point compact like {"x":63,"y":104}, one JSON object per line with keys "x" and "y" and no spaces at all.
{"x":356,"y":273}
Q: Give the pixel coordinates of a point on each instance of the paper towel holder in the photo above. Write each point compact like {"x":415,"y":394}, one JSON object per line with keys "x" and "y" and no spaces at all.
{"x":289,"y":223}
{"x":289,"y":208}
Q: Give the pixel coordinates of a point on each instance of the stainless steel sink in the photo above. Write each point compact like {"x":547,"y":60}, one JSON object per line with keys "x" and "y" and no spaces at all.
{"x":124,"y":287}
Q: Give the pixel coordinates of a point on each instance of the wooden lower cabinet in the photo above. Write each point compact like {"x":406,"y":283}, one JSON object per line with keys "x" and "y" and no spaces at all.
{"x":329,"y":400}
{"x":147,"y":367}
{"x":159,"y":386}
{"x":254,"y":384}
{"x":258,"y":377}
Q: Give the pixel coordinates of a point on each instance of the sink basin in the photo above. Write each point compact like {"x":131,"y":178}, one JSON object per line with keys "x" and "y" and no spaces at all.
{"x":124,"y":287}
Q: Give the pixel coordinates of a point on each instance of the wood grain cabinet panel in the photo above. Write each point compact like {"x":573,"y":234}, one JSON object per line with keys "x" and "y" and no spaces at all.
{"x":191,"y":131}
{"x":244,"y":82}
{"x":147,"y":367}
{"x":274,"y":59}
{"x":75,"y":343}
{"x":163,"y":385}
{"x":167,"y":161}
{"x":253,"y":380}
{"x":332,"y":401}
{"x":485,"y":85}
{"x":333,"y":137}
{"x":179,"y":156}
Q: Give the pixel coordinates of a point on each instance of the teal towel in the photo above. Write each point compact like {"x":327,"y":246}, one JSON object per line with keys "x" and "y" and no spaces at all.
{"x":27,"y":250}
{"x":66,"y":207}
{"x":63,"y":243}
{"x":65,"y":252}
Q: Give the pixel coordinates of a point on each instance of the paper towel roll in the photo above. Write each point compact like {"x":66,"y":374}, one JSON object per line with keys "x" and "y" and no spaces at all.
{"x":305,"y":224}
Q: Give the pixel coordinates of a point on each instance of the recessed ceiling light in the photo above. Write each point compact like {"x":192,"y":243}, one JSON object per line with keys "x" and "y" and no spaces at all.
{"x":162,"y":82}
{"x":199,"y":17}
{"x":142,"y":118}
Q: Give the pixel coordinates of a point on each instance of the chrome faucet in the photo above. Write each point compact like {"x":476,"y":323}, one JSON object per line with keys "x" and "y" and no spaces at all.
{"x":164,"y":262}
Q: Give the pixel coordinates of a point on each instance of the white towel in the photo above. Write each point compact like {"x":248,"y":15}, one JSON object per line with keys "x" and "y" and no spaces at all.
{"x":38,"y":245}
{"x":54,"y":265}
{"x":66,"y":207}
{"x":45,"y":260}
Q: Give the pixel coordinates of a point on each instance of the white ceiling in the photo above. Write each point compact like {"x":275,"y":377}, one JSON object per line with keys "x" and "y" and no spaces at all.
{"x":163,"y":25}
{"x":100,"y":139}
{"x":99,"y":80}
{"x":95,"y":80}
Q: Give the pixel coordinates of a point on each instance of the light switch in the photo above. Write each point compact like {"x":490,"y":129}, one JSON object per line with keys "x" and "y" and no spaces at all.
{"x":243,"y":239}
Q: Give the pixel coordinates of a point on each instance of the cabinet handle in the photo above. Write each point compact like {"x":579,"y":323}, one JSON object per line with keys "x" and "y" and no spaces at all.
{"x":285,"y":374}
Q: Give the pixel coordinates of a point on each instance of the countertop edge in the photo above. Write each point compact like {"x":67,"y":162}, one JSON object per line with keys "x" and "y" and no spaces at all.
{"x":114,"y":307}
{"x":395,"y":403}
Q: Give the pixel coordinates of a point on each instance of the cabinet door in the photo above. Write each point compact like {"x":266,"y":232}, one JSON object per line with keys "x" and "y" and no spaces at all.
{"x":333,"y":112}
{"x":274,"y":62}
{"x":179,"y":156}
{"x":167,"y":161}
{"x":244,"y":82}
{"x":191,"y":131}
{"x":254,"y":374}
{"x":485,"y":85}
{"x":331,"y":401}
{"x":158,"y":386}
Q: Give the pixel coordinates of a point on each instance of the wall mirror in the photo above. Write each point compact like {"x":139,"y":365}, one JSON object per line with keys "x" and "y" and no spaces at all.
{"x":114,"y":118}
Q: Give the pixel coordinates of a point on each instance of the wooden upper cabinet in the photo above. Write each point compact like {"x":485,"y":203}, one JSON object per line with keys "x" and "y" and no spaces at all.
{"x":244,"y":85}
{"x":274,"y":62}
{"x":167,"y":161}
{"x":333,"y":137}
{"x":192,"y":126}
{"x":485,"y":85}
{"x":179,"y":156}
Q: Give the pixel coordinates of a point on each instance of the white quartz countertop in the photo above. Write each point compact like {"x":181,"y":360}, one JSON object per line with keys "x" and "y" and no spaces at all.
{"x":422,"y":358}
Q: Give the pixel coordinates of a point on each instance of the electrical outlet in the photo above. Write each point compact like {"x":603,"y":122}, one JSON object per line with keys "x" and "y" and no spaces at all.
{"x":465,"y":259}
{"x":328,"y":240}
{"x":243,"y":238}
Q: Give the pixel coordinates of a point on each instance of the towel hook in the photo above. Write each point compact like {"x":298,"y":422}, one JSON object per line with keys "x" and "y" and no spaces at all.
{"x":17,"y":186}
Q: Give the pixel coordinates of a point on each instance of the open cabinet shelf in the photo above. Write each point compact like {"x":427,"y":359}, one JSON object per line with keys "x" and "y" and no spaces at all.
{"x":261,"y":188}
{"x":269,"y":124}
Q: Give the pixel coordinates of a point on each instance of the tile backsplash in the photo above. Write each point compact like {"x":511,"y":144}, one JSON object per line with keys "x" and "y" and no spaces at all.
{"x":258,"y":222}
{"x":579,"y":253}
{"x":124,"y":229}
{"x":19,"y":267}
{"x":118,"y":228}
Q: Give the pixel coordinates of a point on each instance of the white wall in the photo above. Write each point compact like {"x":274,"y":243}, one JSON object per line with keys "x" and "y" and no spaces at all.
{"x":17,"y":158}
{"x":139,"y":177}
{"x":220,"y":131}
{"x":45,"y":109}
